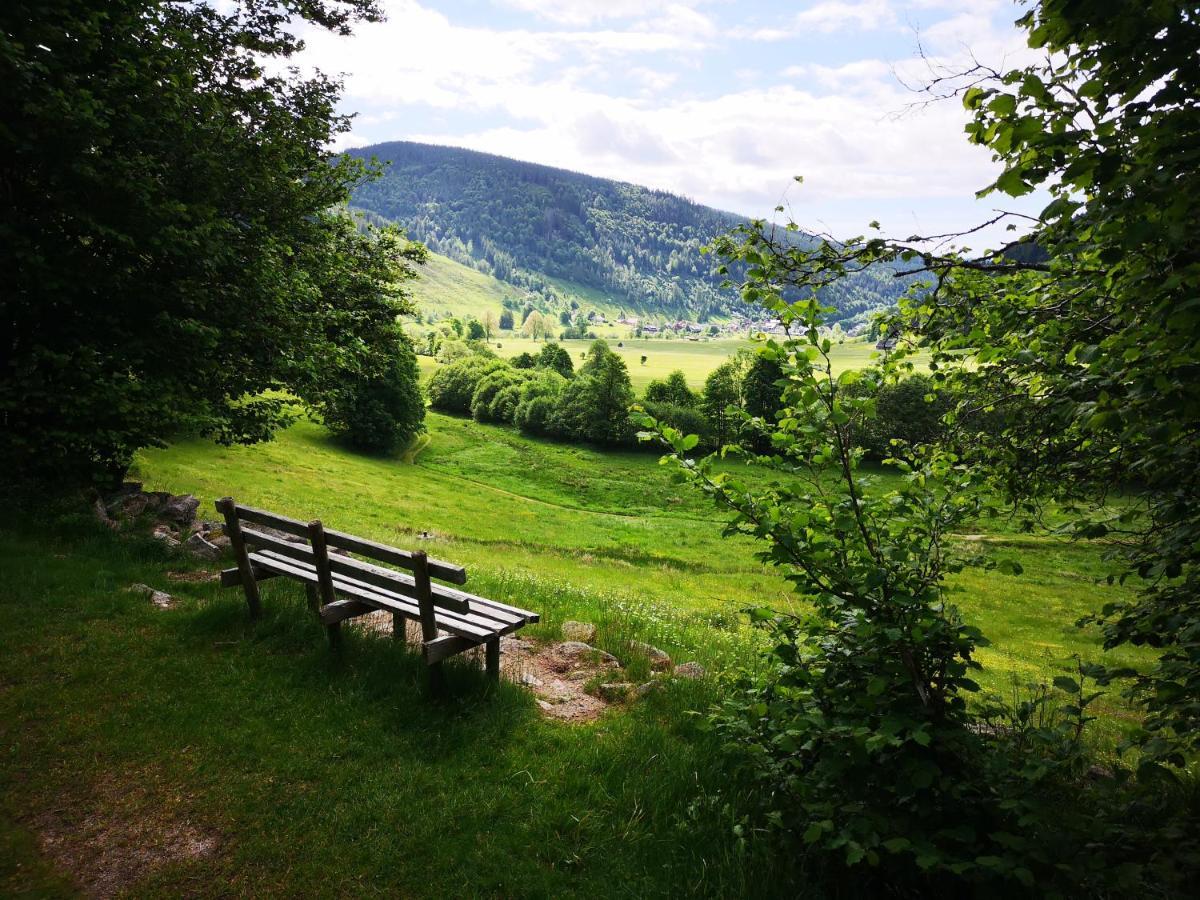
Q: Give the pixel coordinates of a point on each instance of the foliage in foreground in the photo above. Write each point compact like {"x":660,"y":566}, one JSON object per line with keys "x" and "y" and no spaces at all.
{"x":1083,"y":354}
{"x":172,"y":250}
{"x":862,"y":734}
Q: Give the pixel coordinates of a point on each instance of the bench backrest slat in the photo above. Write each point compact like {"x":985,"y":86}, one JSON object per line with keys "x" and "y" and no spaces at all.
{"x":445,"y":597}
{"x":443,"y":571}
{"x":262,"y":517}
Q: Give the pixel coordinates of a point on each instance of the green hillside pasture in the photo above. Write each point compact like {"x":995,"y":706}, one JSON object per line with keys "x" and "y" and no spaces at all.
{"x":447,"y":288}
{"x":176,"y":751}
{"x":607,"y":536}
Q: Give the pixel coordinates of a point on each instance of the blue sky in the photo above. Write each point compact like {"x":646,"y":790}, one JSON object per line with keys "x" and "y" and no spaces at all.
{"x":720,"y":100}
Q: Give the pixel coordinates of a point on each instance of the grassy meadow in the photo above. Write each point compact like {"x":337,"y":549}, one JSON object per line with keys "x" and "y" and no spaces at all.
{"x":615,"y":532}
{"x":446,"y":288}
{"x":296,"y":765}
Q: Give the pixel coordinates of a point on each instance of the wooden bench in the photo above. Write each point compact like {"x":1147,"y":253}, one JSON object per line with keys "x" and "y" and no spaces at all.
{"x":341,"y":587}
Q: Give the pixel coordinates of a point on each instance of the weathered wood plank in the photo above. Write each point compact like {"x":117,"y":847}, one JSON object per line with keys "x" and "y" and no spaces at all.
{"x":429,"y":629}
{"x":265,"y":517}
{"x":270,"y":542}
{"x":381,"y":599}
{"x":233,"y":530}
{"x":340,"y":610}
{"x":363,"y":571}
{"x":233,"y":577}
{"x":492,"y":655}
{"x":320,"y":553}
{"x":443,"y":571}
{"x":444,"y":647}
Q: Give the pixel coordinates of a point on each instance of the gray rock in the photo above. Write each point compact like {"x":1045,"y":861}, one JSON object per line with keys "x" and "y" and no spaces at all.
{"x":128,"y":487}
{"x":180,"y":510}
{"x":643,"y":689}
{"x":161,"y":599}
{"x":166,"y":535}
{"x":690,"y":670}
{"x":578,"y":631}
{"x":531,"y":680}
{"x":128,"y":506}
{"x":658,"y":658}
{"x":198,"y":546}
{"x":614,"y":690}
{"x":103,"y":517}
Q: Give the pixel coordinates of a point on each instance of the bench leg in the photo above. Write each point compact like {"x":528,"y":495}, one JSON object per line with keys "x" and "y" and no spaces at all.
{"x":335,"y":635}
{"x":491,"y":651}
{"x":314,"y":597}
{"x":399,"y":632}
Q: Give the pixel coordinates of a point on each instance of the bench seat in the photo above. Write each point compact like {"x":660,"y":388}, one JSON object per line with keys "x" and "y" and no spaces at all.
{"x":486,"y":619}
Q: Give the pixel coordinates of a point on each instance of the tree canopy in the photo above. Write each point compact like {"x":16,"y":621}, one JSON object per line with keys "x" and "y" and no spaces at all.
{"x":173,"y":249}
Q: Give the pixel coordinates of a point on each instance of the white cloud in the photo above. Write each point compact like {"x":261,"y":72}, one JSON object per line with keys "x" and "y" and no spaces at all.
{"x":826,"y":18}
{"x":586,"y":12}
{"x":836,"y":15}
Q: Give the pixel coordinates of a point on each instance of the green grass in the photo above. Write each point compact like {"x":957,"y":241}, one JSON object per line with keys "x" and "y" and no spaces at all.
{"x":448,"y":288}
{"x":314,"y":767}
{"x":612,"y":526}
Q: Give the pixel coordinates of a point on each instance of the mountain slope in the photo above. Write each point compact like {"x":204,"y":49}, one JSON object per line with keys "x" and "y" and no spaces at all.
{"x":530,"y":225}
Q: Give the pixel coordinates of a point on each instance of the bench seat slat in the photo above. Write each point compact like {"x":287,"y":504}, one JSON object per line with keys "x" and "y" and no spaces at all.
{"x":378,"y":598}
{"x":263,"y":517}
{"x":477,"y":604}
{"x":472,"y":625}
{"x":459,"y":601}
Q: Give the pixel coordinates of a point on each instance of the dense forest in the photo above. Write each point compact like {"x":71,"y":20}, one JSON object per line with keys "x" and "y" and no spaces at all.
{"x":521,"y":222}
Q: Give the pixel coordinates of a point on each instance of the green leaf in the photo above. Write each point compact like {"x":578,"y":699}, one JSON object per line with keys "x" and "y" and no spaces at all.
{"x":1064,"y":683}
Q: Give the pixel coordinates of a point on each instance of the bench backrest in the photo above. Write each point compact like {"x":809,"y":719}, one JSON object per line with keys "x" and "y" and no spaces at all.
{"x":318,"y":540}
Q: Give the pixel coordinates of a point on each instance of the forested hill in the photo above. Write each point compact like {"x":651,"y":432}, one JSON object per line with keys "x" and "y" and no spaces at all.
{"x":521,"y":222}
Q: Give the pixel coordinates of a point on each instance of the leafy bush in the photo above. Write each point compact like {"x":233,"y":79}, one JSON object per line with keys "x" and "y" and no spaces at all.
{"x":378,"y":412}
{"x":685,"y":419}
{"x":180,"y":277}
{"x":536,"y":415}
{"x":537,"y":401}
{"x":674,"y":390}
{"x":523,"y":360}
{"x":722,"y":391}
{"x":453,"y":386}
{"x":909,"y":410}
{"x":594,"y":406}
{"x":450,"y":350}
{"x":495,"y":396}
{"x":555,"y":357}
